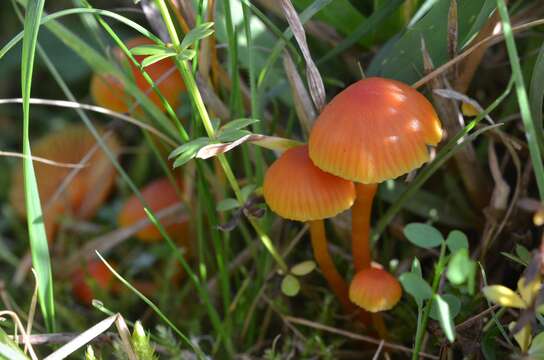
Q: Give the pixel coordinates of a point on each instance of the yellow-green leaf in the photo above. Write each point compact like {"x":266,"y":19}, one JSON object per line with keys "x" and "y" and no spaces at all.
{"x":503,"y":296}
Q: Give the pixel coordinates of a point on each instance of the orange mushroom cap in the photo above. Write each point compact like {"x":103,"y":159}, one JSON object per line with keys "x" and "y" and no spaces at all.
{"x":159,"y":194}
{"x":85,"y":192}
{"x":94,"y":271}
{"x":296,"y":189}
{"x":376,"y":129}
{"x":109,"y":92}
{"x":375,"y":290}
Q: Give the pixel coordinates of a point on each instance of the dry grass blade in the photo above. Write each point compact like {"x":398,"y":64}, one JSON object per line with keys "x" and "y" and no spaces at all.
{"x":124,"y":333}
{"x":97,"y":109}
{"x":455,"y":95}
{"x":303,"y":103}
{"x":154,"y":19}
{"x":453,"y":33}
{"x":470,"y":170}
{"x":355,"y":336}
{"x":42,"y":160}
{"x":315,"y":82}
{"x":485,"y":42}
{"x":32,"y":310}
{"x":19,"y":326}
{"x":86,"y":337}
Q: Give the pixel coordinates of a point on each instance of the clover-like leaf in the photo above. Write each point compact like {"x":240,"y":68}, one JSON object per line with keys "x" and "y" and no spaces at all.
{"x":459,"y":267}
{"x":303,"y":268}
{"x":456,"y":240}
{"x":444,"y":317}
{"x":414,"y":285}
{"x":290,"y":285}
{"x":423,"y":235}
{"x":188,"y":151}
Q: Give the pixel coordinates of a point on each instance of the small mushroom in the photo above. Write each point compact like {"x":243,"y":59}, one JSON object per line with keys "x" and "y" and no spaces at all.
{"x":296,"y":189}
{"x":87,"y":190}
{"x":108,"y":91}
{"x":94,"y":274}
{"x":376,"y":129}
{"x":375,"y":290}
{"x":159,"y":194}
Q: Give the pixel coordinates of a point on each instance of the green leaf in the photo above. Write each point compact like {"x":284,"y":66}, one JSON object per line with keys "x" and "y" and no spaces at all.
{"x":536,"y":92}
{"x":150,"y":60}
{"x":198,"y":33}
{"x":247,"y":190}
{"x":197,"y":144}
{"x":239,"y":124}
{"x":186,"y":54}
{"x":8,"y":349}
{"x":416,"y":286}
{"x":444,"y":317}
{"x":416,"y":267}
{"x":423,"y":235}
{"x":453,"y":302}
{"x":401,"y":58}
{"x":514,"y":258}
{"x":290,"y":285}
{"x":456,"y":240}
{"x":36,"y":230}
{"x":459,"y":267}
{"x":536,"y":351}
{"x":231,"y":135}
{"x":523,"y":254}
{"x":151,"y":50}
{"x":227,"y":204}
{"x":303,"y":268}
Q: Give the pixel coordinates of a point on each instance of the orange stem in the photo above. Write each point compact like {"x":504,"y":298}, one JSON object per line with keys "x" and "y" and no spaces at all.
{"x":360,"y":225}
{"x":325,"y":263}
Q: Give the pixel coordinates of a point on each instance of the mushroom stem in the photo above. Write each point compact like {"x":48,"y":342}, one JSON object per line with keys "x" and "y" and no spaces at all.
{"x":325,"y":263}
{"x":360,"y":225}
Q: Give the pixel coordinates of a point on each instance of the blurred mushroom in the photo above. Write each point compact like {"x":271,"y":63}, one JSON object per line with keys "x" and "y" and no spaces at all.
{"x":375,"y":290}
{"x":83,"y":194}
{"x":109,"y":92}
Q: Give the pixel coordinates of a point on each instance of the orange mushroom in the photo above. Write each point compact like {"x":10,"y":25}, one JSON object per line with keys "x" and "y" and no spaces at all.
{"x":109,"y":91}
{"x":87,"y":190}
{"x":296,"y":189}
{"x":159,"y":194}
{"x":94,"y":274}
{"x":374,"y":290}
{"x":376,"y":129}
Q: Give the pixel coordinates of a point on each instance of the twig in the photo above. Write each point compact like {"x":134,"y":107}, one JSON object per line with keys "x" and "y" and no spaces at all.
{"x":354,"y":336}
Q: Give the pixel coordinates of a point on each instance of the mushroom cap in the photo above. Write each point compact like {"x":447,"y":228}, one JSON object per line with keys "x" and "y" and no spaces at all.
{"x":374,"y":130}
{"x":95,"y":272}
{"x":108,"y":92}
{"x":159,"y":194}
{"x":296,"y":189}
{"x":375,"y":290}
{"x":86,"y":191}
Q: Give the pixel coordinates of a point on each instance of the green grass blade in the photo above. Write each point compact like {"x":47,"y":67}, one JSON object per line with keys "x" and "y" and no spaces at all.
{"x":523,"y":100}
{"x":36,"y":229}
{"x":536,"y":94}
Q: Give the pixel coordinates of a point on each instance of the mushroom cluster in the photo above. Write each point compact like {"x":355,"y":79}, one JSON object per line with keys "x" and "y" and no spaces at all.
{"x":374,"y":130}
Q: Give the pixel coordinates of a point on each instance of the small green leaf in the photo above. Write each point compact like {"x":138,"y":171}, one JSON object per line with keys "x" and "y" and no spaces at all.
{"x":523,"y":254}
{"x":150,"y":60}
{"x":247,"y":190}
{"x":8,"y":349}
{"x":290,"y":285}
{"x":239,"y":124}
{"x":416,"y":267}
{"x":303,"y":268}
{"x":459,"y":267}
{"x":414,"y":285}
{"x":231,"y":135}
{"x":444,"y":317}
{"x":200,"y":32}
{"x":514,"y":258}
{"x":503,"y":296}
{"x":453,"y":302}
{"x":423,"y":235}
{"x":227,"y":204}
{"x":186,"y":54}
{"x":189,"y":146}
{"x":151,"y":50}
{"x":456,"y":240}
{"x":537,"y":347}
